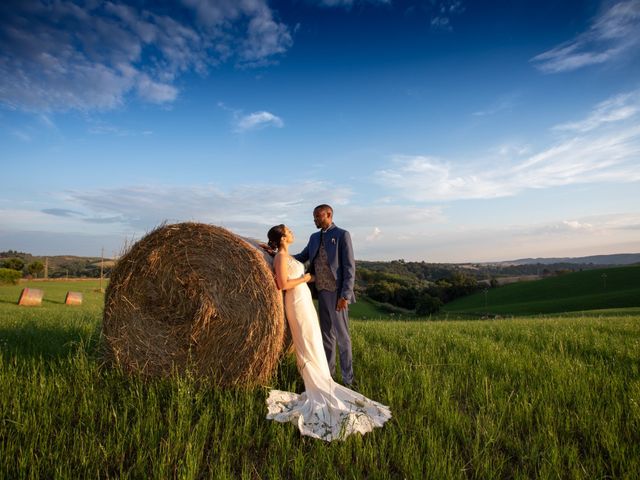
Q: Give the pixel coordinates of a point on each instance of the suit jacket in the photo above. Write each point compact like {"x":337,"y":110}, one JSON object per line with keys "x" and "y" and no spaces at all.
{"x":337,"y":244}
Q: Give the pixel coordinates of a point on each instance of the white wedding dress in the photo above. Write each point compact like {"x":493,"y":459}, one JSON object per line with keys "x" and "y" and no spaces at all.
{"x":326,"y":410}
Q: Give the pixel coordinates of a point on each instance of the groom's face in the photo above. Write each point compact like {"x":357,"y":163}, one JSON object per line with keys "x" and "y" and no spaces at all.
{"x":322,"y":218}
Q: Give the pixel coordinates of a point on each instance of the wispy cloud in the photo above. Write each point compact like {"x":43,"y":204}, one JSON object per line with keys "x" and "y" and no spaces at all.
{"x":346,"y":3}
{"x":379,"y":231}
{"x":61,"y":212}
{"x":613,"y":33}
{"x":47,"y":121}
{"x":442,"y":13}
{"x":258,"y":120}
{"x":599,"y":151}
{"x":506,"y":102}
{"x":615,"y":109}
{"x":247,"y":210}
{"x":142,"y":207}
{"x":64,"y":55}
{"x":611,"y":233}
{"x":99,"y":127}
{"x":21,"y":135}
{"x":511,"y":150}
{"x":596,"y":226}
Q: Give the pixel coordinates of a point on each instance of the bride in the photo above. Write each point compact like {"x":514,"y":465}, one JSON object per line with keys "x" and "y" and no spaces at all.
{"x":325,"y":410}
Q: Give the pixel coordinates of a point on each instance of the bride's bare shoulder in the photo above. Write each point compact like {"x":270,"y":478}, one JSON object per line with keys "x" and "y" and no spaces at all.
{"x":281,"y":257}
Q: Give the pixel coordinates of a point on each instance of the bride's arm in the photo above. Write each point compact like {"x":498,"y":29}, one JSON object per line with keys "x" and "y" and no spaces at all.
{"x":284,"y":283}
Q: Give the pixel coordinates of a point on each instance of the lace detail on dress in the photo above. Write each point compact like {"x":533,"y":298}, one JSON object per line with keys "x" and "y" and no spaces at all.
{"x":352,"y":413}
{"x":295,"y":269}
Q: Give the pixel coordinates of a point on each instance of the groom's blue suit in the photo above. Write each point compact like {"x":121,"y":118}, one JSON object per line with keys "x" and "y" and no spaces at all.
{"x":334,"y":324}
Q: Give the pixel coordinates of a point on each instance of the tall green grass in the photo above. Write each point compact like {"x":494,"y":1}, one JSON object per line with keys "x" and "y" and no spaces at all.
{"x":519,"y":398}
{"x":591,"y":289}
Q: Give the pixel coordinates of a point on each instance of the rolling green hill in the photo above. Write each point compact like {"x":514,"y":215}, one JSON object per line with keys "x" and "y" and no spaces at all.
{"x":587,"y":290}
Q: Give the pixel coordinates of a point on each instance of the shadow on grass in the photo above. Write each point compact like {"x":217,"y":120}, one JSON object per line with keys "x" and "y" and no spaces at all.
{"x":44,"y":300}
{"x":55,"y":302}
{"x":35,"y":341}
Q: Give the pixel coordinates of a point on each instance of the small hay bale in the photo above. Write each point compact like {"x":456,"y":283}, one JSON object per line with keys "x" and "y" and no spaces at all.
{"x":195,"y":295}
{"x":31,"y":297}
{"x":73,"y":298}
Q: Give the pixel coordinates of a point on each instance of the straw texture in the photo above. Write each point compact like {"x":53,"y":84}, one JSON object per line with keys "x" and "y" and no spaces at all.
{"x":195,"y":295}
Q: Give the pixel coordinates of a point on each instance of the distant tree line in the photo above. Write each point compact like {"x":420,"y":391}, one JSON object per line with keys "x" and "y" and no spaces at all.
{"x":424,"y":288}
{"x":28,"y":265}
{"x":15,"y":268}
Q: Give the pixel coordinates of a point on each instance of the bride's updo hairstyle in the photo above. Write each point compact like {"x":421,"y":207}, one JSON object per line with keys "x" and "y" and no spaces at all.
{"x":275,"y":235}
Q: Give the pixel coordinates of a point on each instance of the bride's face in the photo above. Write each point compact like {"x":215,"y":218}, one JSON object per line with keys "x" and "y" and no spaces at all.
{"x":288,"y":236}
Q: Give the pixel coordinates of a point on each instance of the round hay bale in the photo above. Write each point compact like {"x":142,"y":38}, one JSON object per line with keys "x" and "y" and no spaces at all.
{"x":195,"y":295}
{"x":287,"y":348}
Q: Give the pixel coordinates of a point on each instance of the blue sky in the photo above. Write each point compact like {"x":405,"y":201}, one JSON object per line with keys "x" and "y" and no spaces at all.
{"x":440,"y":130}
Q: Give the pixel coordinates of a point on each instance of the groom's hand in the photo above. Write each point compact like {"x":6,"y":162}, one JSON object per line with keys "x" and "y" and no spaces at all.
{"x":342,"y":305}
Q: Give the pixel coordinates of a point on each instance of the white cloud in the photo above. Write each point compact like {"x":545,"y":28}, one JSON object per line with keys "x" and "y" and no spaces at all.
{"x":613,"y":33}
{"x":615,"y":109}
{"x":60,"y":56}
{"x":576,"y":225}
{"x":156,"y":92}
{"x":131,"y":211}
{"x":613,"y":233}
{"x":143,"y":207}
{"x":595,"y":227}
{"x":83,"y":221}
{"x":24,"y":217}
{"x":513,"y":149}
{"x":606,"y":149}
{"x":258,"y":120}
{"x":374,"y":235}
{"x":265,"y":38}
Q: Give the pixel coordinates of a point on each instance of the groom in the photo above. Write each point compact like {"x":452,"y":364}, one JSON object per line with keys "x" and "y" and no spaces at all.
{"x":334,"y":268}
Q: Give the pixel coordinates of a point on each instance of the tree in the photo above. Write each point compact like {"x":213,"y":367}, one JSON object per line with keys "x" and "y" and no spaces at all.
{"x":381,"y":292}
{"x":405,"y":297}
{"x":427,"y":304}
{"x":35,"y":268}
{"x":8,"y":275}
{"x":13,"y":263}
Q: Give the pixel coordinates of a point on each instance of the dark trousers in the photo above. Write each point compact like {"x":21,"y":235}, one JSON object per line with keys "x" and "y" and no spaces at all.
{"x":335,"y":330}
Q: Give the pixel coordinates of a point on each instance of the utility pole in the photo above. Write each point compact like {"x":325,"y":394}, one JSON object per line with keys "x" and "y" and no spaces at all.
{"x":46,"y":267}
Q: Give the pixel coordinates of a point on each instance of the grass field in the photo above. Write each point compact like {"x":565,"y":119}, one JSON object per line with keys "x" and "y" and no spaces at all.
{"x":609,"y":288}
{"x":547,"y":397}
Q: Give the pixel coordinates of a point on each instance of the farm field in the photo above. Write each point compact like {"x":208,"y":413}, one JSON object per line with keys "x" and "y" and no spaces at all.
{"x":551,"y":396}
{"x":610,"y":288}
